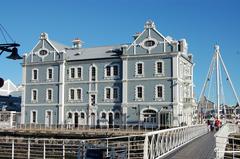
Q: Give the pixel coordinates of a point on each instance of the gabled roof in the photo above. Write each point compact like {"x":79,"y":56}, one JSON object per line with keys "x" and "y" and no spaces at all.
{"x":58,"y":46}
{"x":93,"y":53}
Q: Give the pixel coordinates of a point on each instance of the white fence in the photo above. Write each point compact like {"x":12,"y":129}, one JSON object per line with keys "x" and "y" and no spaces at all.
{"x":222,"y":139}
{"x":151,"y":145}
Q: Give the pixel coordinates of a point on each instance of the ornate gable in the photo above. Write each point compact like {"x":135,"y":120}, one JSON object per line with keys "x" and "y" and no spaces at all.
{"x":46,"y":50}
{"x":150,"y":41}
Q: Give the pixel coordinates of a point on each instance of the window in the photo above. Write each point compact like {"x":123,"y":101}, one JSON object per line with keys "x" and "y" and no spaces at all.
{"x":108,"y":93}
{"x":117,"y":115}
{"x":159,"y":67}
{"x":82,"y":115}
{"x":69,"y":115}
{"x":115,"y":70}
{"x":34,"y":117}
{"x":35,"y":74}
{"x":115,"y":93}
{"x":159,"y":91}
{"x":72,"y":73}
{"x":71,"y":94}
{"x":93,"y":74}
{"x":79,"y":94}
{"x":93,"y":100}
{"x":49,"y":73}
{"x":149,"y":43}
{"x":79,"y":72}
{"x":139,"y":92}
{"x":139,"y":69}
{"x":49,"y":94}
{"x":159,"y":94}
{"x":108,"y":71}
{"x":34,"y":95}
{"x":103,"y":115}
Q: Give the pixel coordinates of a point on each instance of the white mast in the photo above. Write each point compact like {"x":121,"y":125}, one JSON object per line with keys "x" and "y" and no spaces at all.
{"x":218,"y":59}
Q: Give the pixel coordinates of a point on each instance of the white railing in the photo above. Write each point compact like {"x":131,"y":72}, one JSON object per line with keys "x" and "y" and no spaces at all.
{"x":222,"y":138}
{"x":136,"y":128}
{"x":159,"y":144}
{"x":151,"y":145}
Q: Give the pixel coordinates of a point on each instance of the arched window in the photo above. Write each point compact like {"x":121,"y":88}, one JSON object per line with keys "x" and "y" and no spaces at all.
{"x":69,"y":115}
{"x":82,"y":115}
{"x":117,"y":115}
{"x":150,"y":116}
{"x":103,"y":115}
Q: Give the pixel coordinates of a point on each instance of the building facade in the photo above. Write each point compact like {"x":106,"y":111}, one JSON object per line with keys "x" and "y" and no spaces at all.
{"x":148,"y":82}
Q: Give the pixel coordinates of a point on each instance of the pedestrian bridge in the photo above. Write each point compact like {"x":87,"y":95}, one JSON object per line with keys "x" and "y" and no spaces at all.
{"x":148,"y":145}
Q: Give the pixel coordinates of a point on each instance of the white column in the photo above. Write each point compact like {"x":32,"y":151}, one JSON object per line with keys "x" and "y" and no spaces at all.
{"x":23,"y":95}
{"x":124,"y":89}
{"x":61,"y":93}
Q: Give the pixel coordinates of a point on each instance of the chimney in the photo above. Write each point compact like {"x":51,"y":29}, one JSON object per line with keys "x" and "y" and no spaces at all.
{"x":77,"y":43}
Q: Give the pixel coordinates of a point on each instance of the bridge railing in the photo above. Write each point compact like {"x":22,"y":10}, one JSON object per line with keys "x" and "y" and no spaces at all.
{"x":222,"y":138}
{"x":159,"y":144}
{"x":141,"y":128}
{"x":150,"y":145}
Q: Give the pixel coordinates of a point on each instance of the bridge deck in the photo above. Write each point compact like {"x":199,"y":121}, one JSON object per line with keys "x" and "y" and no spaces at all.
{"x":201,"y":148}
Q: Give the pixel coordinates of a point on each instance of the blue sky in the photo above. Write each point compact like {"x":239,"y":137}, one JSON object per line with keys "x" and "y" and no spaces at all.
{"x":203,"y":23}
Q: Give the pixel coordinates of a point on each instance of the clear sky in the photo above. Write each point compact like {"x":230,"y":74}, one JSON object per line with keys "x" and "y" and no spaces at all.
{"x":203,"y":23}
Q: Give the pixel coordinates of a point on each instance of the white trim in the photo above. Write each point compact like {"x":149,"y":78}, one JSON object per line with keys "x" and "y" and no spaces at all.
{"x":45,"y":49}
{"x":49,"y":100}
{"x":156,"y":93}
{"x":31,"y":117}
{"x":136,"y":69}
{"x":34,"y":100}
{"x":70,"y":72}
{"x":50,"y":79}
{"x":76,"y":73}
{"x":69,"y":94}
{"x":156,"y":68}
{"x":81,"y":97}
{"x":51,"y":119}
{"x":105,"y":71}
{"x":118,"y":94}
{"x":35,"y":69}
{"x":105,"y":94}
{"x":90,"y":73}
{"x":118,"y":73}
{"x":136,"y":93}
{"x":149,"y":48}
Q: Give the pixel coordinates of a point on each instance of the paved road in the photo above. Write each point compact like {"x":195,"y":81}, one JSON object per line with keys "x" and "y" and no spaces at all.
{"x":201,"y":148}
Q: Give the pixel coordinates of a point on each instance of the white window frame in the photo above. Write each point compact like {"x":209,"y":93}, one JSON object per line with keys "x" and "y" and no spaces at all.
{"x":90,"y":73}
{"x":136,"y":69}
{"x":70,"y":72}
{"x":76,"y":73}
{"x":31,"y":117}
{"x":50,"y":68}
{"x":35,"y":69}
{"x":156,"y":68}
{"x":116,"y":99}
{"x":105,"y":94}
{"x":118,"y":72}
{"x":105,"y":71}
{"x":156,"y":93}
{"x":49,"y":110}
{"x":34,"y":100}
{"x":136,"y":93}
{"x":49,"y":100}
{"x":81,"y":97}
{"x":69,"y":94}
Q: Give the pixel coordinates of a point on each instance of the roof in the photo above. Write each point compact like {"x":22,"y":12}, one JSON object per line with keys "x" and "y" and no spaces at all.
{"x":93,"y":53}
{"x":58,"y":46}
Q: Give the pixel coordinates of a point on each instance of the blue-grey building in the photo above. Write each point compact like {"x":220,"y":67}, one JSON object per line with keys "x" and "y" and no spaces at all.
{"x":149,"y":82}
